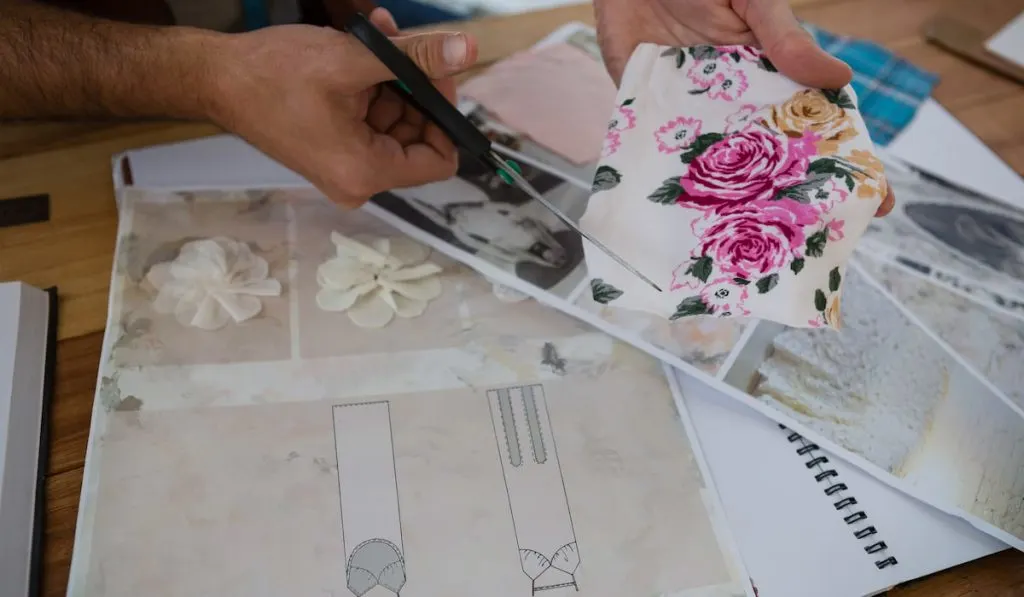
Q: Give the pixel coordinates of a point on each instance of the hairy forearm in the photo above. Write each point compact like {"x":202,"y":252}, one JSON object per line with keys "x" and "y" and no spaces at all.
{"x":59,"y":64}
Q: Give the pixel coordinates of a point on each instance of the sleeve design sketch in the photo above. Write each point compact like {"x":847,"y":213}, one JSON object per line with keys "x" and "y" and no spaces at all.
{"x":536,"y":490}
{"x":368,"y":486}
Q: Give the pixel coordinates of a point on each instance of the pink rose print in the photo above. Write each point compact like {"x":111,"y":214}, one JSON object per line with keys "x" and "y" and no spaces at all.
{"x":752,"y":165}
{"x":612,"y":142}
{"x":835,"y":229}
{"x":756,"y":239}
{"x":624,"y":118}
{"x":739,"y":119}
{"x":729,"y":86}
{"x":675,"y":135}
{"x":748,"y":53}
{"x":724,"y":298}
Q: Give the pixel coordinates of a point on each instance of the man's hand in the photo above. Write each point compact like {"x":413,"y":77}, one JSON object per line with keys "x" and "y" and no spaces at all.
{"x":622,"y":25}
{"x":312,"y":98}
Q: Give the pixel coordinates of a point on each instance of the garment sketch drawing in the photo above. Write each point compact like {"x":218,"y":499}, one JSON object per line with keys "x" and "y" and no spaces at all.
{"x":545,"y":536}
{"x":368,"y":487}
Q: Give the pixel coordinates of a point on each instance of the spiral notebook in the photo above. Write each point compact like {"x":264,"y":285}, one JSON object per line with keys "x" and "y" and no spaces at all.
{"x":808,"y":524}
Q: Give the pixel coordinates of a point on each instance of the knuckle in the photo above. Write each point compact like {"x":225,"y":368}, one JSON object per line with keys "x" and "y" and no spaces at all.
{"x":428,"y":56}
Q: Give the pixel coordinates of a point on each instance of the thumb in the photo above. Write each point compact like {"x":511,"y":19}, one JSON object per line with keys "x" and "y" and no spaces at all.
{"x":439,"y":55}
{"x":792,"y":49}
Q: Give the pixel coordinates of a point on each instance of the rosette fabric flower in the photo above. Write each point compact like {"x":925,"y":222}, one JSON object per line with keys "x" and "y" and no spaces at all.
{"x":739,"y":191}
{"x":212,"y":282}
{"x":374,"y":281}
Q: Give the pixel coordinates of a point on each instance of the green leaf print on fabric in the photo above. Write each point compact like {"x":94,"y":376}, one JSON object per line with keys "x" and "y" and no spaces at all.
{"x":668,"y":193}
{"x":700,"y":145}
{"x":819,"y":300}
{"x":603,"y":292}
{"x":606,"y":178}
{"x":689,"y":307}
{"x":765,"y":64}
{"x":815,"y":246}
{"x":840,"y":98}
{"x":701,"y":268}
{"x":766,"y":283}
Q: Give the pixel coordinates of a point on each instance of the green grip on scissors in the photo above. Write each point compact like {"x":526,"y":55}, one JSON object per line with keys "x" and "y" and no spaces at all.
{"x":504,"y":175}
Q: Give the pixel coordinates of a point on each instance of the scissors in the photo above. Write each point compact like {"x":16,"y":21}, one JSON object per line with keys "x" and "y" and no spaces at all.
{"x":415,"y":86}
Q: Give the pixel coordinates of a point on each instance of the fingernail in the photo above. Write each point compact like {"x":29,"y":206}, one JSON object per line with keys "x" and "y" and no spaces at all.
{"x":455,"y":50}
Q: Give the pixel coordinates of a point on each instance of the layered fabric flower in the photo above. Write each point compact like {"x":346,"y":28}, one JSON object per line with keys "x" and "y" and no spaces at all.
{"x":374,"y":281}
{"x":211,"y":283}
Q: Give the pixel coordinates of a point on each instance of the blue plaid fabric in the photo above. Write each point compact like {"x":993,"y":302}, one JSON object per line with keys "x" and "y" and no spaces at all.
{"x":889,"y":89}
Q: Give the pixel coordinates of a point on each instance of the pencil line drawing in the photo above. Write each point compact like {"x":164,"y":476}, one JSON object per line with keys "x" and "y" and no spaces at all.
{"x":545,"y":537}
{"x":533,"y":422}
{"x":371,"y":523}
{"x":508,"y":423}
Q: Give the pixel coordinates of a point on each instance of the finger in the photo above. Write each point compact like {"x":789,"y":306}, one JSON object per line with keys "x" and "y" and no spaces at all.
{"x":386,"y":110}
{"x":383,"y":19}
{"x":415,"y":165}
{"x":440,"y":55}
{"x":406,"y":134}
{"x":615,"y":38}
{"x":447,"y":89}
{"x":792,"y":49}
{"x":887,"y":204}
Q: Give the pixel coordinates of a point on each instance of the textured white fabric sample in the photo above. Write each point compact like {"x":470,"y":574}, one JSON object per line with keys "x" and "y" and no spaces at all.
{"x":212,"y":282}
{"x":738,"y":191}
{"x":374,"y":281}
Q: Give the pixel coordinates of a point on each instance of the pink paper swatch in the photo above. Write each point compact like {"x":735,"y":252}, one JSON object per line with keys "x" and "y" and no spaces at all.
{"x":557,"y":95}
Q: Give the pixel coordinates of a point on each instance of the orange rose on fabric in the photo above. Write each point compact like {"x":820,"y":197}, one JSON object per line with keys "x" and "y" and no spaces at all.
{"x":832,"y":313}
{"x":811,"y":111}
{"x":871,"y":182}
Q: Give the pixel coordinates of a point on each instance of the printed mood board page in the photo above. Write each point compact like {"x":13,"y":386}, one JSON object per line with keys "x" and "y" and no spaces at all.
{"x":296,"y":399}
{"x":886,"y":393}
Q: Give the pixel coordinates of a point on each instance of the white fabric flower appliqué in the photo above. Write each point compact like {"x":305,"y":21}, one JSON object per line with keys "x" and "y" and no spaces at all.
{"x":211,"y":282}
{"x":374,"y":282}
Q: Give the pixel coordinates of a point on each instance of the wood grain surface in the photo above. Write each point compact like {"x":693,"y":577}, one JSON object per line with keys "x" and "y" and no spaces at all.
{"x":72,"y":163}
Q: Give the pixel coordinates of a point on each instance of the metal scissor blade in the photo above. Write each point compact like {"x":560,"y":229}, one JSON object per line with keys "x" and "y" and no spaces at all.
{"x":527,"y":188}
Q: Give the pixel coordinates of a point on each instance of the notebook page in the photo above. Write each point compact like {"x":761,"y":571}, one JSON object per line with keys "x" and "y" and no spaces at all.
{"x":790,"y":535}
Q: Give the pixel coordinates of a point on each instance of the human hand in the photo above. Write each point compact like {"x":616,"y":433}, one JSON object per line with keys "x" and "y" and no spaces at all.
{"x":622,"y":25}
{"x":312,"y":98}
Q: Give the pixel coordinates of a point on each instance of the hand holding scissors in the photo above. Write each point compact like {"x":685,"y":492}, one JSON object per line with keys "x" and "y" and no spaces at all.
{"x":420,"y":92}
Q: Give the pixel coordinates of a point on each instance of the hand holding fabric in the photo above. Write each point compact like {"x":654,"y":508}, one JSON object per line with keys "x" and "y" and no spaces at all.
{"x":623,"y":25}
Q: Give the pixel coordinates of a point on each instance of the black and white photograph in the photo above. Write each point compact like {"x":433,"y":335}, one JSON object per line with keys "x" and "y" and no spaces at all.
{"x":955,"y":238}
{"x":478,"y":212}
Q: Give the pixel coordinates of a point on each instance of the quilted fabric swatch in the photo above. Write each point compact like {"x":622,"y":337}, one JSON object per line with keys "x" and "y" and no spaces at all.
{"x":739,"y":191}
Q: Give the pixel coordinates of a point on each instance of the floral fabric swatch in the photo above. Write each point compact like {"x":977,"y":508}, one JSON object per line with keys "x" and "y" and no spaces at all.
{"x":739,"y":191}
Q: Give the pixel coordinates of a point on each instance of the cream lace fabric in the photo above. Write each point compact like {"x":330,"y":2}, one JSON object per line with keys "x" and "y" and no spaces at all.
{"x":740,"y":192}
{"x":212,"y":282}
{"x":375,"y":281}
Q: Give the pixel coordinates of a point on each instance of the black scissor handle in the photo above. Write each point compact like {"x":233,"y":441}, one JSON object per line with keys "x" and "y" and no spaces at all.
{"x":417,"y":88}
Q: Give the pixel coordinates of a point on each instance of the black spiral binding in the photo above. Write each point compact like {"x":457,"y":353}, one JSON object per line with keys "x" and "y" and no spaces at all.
{"x":842,"y":501}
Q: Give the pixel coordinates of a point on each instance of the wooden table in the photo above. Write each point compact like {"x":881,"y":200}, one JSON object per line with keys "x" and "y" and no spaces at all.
{"x":74,"y":249}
